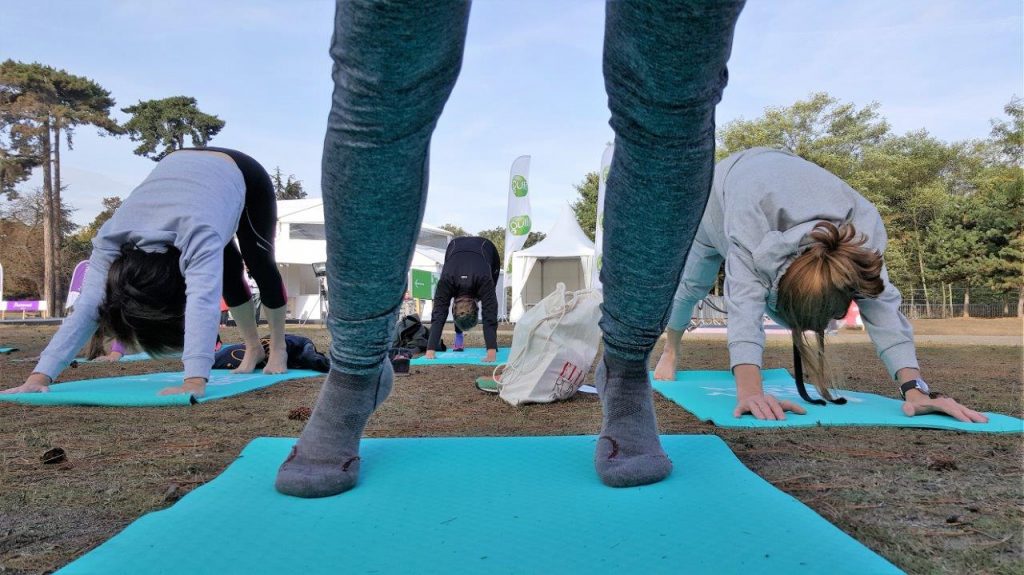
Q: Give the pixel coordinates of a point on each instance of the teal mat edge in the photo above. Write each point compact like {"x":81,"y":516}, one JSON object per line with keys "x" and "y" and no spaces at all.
{"x":795,"y":421}
{"x":89,"y":399}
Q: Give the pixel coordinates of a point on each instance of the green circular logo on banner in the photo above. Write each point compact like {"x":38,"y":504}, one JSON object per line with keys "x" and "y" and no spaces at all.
{"x":519,"y":186}
{"x":600,"y":260}
{"x":519,"y":225}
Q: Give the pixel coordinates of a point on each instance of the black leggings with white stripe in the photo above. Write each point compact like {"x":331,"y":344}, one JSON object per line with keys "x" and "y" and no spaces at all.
{"x":255,"y":235}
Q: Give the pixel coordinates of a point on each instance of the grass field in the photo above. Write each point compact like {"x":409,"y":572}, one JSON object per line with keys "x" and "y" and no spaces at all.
{"x":929,"y":501}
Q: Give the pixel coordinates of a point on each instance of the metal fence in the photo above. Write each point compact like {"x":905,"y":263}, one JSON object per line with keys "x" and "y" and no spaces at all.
{"x":919,"y":310}
{"x":941,"y":304}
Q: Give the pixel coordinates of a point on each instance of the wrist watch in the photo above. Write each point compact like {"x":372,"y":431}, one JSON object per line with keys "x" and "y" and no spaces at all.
{"x":917,"y":384}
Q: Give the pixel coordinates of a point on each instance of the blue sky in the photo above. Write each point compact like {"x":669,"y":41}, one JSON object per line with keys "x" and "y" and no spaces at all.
{"x":530,"y":84}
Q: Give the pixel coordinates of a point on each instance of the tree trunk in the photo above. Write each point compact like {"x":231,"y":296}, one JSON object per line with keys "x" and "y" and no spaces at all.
{"x":48,"y":268}
{"x":967,"y":301}
{"x":924,"y":284}
{"x":58,"y":226}
{"x":942,"y":286}
{"x":1020,"y":303}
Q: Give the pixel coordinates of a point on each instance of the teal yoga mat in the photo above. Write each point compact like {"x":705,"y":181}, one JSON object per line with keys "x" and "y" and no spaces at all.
{"x":471,"y":356}
{"x":130,"y":357}
{"x":6,"y":350}
{"x":711,"y":396}
{"x":141,"y":390}
{"x":487,"y":505}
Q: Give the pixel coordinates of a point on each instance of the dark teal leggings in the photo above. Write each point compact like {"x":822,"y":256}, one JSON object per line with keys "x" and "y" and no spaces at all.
{"x":395,"y":63}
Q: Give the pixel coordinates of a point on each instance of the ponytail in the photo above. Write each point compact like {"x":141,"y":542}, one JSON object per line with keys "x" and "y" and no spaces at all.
{"x":818,"y":287}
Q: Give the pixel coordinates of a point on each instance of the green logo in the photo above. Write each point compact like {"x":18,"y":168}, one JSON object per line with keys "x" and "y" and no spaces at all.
{"x":519,"y":225}
{"x":600,"y":260}
{"x":604,"y":174}
{"x":600,"y":221}
{"x":519,"y":186}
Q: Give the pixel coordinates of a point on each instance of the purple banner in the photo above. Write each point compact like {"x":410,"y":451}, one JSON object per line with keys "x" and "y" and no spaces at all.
{"x":24,"y":305}
{"x":78,"y":276}
{"x":77,"y":279}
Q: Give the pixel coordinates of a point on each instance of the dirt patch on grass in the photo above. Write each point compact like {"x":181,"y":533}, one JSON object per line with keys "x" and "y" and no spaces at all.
{"x":969,"y":326}
{"x":929,"y":501}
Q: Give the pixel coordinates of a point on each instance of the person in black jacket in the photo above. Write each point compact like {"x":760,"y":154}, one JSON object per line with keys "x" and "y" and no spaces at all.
{"x":470,"y":272}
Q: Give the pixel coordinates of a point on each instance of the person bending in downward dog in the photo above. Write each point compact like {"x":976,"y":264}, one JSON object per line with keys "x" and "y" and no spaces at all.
{"x":161,"y":263}
{"x":469,"y":275}
{"x":798,"y":244}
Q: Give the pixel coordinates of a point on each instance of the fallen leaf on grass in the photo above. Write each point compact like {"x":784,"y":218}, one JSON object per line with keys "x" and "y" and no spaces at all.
{"x":55,"y":455}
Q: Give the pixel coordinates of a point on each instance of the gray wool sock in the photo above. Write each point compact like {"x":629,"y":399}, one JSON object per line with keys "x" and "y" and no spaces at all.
{"x":325,"y":460}
{"x":628,"y":451}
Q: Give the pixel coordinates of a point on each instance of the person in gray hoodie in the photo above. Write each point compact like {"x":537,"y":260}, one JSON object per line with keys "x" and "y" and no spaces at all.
{"x":161,"y":263}
{"x":798,"y":245}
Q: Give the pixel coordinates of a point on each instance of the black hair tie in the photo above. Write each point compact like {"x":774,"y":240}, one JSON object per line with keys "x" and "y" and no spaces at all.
{"x":798,"y":368}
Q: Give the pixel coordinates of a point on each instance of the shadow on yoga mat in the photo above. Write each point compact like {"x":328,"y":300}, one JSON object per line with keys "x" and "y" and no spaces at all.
{"x":487,"y":505}
{"x":471,"y":356}
{"x":141,"y":390}
{"x":711,"y":396}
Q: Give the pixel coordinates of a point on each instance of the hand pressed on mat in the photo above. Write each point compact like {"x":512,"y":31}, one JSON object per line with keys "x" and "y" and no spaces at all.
{"x":34,"y":383}
{"x":751,"y":398}
{"x":194,"y":386}
{"x":918,"y":403}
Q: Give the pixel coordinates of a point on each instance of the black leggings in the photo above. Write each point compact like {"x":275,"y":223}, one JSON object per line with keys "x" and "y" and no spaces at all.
{"x":255,"y":234}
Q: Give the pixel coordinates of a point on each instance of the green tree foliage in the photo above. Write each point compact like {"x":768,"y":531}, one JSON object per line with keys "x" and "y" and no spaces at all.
{"x":954,"y":212}
{"x":161,"y":126}
{"x":286,"y":189}
{"x":1008,"y":134}
{"x":585,"y":206}
{"x":953,"y":246}
{"x":458,"y":231}
{"x":38,"y":106}
{"x":22,"y":223}
{"x":820,"y":129}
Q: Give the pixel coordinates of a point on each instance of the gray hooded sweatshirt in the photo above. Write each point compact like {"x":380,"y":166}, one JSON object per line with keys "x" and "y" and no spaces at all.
{"x":763,"y":205}
{"x":190,"y":200}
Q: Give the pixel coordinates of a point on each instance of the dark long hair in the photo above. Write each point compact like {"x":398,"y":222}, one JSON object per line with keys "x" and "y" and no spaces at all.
{"x":145,"y":301}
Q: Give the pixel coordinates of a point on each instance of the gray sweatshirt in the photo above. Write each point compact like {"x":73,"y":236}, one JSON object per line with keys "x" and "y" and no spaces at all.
{"x":192,"y":201}
{"x":762,"y":207}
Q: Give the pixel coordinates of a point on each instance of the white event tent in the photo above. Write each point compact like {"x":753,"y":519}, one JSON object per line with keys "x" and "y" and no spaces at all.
{"x":565,"y":255}
{"x":301,"y":242}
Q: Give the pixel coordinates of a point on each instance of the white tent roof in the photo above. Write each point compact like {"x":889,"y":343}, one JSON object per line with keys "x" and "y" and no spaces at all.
{"x":304,"y":211}
{"x":566,"y":239}
{"x":311,"y":211}
{"x":564,"y":243}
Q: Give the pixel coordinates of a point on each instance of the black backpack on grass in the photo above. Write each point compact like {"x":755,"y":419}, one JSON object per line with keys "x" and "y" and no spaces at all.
{"x":411,"y":333}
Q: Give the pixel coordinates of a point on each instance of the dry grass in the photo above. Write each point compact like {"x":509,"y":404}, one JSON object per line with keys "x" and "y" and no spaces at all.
{"x":929,"y":501}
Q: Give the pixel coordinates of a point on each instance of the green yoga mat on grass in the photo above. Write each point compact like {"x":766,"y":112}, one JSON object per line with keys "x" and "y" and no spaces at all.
{"x":487,"y":505}
{"x":711,"y":396}
{"x":471,"y":356}
{"x":141,"y":390}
